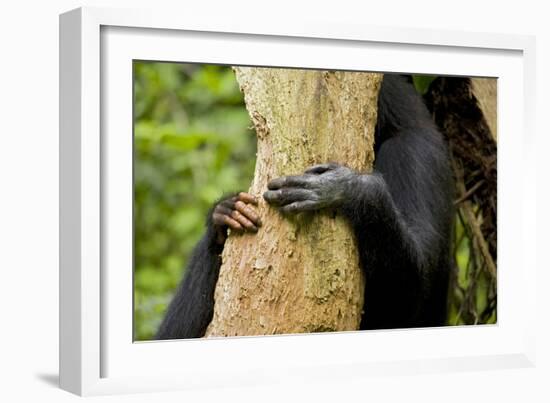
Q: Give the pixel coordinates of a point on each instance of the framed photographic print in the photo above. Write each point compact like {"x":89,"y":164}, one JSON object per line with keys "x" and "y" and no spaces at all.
{"x":244,"y":204}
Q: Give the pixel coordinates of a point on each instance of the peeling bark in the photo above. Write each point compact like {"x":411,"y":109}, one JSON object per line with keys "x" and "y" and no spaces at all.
{"x":298,"y":274}
{"x":485,"y":92}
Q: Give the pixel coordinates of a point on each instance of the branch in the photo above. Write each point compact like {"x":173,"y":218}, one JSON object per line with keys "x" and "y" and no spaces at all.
{"x":473,"y":222}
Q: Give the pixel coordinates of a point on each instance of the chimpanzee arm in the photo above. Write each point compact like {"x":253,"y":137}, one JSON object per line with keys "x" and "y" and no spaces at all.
{"x":192,"y":307}
{"x":191,"y":310}
{"x":402,"y":218}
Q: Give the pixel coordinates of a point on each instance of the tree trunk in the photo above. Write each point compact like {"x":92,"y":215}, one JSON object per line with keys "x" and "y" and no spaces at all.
{"x":485,"y":92}
{"x":298,"y":274}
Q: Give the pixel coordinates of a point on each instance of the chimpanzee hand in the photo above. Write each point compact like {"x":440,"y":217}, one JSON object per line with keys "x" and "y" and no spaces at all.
{"x":236,"y":212}
{"x":321,"y":186}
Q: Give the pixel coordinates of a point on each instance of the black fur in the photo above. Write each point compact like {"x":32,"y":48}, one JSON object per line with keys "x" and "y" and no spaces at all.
{"x":401,"y":214}
{"x":192,"y":308}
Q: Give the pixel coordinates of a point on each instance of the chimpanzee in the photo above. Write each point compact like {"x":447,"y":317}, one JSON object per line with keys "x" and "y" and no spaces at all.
{"x":402,"y":216}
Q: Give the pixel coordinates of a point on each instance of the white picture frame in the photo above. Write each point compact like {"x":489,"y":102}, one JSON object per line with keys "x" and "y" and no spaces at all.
{"x":96,"y":354}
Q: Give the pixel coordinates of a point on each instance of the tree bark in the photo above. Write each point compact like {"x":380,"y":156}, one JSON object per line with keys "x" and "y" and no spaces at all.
{"x":485,"y":92}
{"x":298,"y":274}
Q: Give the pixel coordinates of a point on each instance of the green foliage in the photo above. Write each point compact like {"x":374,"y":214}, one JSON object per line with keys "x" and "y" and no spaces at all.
{"x":192,"y":144}
{"x":422,"y":83}
{"x":471,"y":297}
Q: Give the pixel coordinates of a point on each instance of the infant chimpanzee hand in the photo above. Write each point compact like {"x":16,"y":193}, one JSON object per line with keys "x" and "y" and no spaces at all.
{"x":236,"y":212}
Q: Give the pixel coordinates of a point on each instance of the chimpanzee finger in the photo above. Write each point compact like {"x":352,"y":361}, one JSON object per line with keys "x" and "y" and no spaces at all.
{"x":243,"y":221}
{"x":300,"y":181}
{"x":288,"y":195}
{"x":321,"y":168}
{"x":223,"y":219}
{"x":247,"y":198}
{"x":248,"y":212}
{"x":300,"y":206}
{"x":223,"y":210}
{"x":227,"y":203}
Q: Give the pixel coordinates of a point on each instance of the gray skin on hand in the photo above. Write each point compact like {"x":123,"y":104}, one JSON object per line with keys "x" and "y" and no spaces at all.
{"x":321,"y":186}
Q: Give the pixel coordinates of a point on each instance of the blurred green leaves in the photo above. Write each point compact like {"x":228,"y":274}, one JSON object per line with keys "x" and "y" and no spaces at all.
{"x":422,"y":83}
{"x":192,"y":144}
